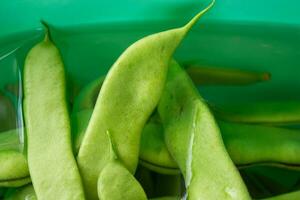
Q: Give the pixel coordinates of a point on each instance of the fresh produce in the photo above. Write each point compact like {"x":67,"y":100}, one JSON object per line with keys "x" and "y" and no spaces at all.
{"x":143,"y":131}
{"x":53,"y":169}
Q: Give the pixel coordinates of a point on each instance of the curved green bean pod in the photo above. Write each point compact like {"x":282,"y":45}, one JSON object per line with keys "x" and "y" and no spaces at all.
{"x":116,"y":182}
{"x":194,"y":141}
{"x":204,"y":75}
{"x":274,"y":113}
{"x":13,"y":165}
{"x":48,"y":125}
{"x":124,"y":105}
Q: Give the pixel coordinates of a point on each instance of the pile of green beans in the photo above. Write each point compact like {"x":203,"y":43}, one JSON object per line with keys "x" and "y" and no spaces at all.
{"x":143,"y":131}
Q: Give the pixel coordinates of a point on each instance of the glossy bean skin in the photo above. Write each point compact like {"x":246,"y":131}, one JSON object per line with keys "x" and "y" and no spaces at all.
{"x":208,"y":171}
{"x":115,"y":182}
{"x":48,"y":125}
{"x":124,"y":105}
{"x":269,"y":113}
{"x":207,"y":75}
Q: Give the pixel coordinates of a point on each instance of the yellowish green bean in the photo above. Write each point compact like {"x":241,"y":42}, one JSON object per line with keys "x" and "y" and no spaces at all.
{"x":52,"y":166}
{"x":194,"y":141}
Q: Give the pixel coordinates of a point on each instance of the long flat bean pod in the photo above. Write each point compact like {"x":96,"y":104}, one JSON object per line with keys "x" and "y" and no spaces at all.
{"x":116,"y":182}
{"x":194,"y":141}
{"x":124,"y":105}
{"x":254,"y":144}
{"x":52,"y":166}
{"x":272,"y":113}
{"x":204,"y":75}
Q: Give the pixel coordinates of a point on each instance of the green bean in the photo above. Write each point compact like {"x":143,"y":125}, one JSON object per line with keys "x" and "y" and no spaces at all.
{"x":116,"y":182}
{"x":15,"y":183}
{"x":200,"y":75}
{"x":193,"y":139}
{"x":13,"y":165}
{"x":247,"y":145}
{"x":87,"y":97}
{"x":124,"y":104}
{"x":153,"y":148}
{"x":79,"y":123}
{"x":48,"y":125}
{"x":274,"y":113}
{"x":254,"y":144}
{"x":207,"y":75}
{"x":24,"y":193}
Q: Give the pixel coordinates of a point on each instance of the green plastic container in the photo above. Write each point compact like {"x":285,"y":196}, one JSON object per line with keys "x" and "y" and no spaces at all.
{"x":245,"y":34}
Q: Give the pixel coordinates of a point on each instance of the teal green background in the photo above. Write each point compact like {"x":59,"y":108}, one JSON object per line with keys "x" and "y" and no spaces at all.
{"x":245,"y":34}
{"x":25,"y":14}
